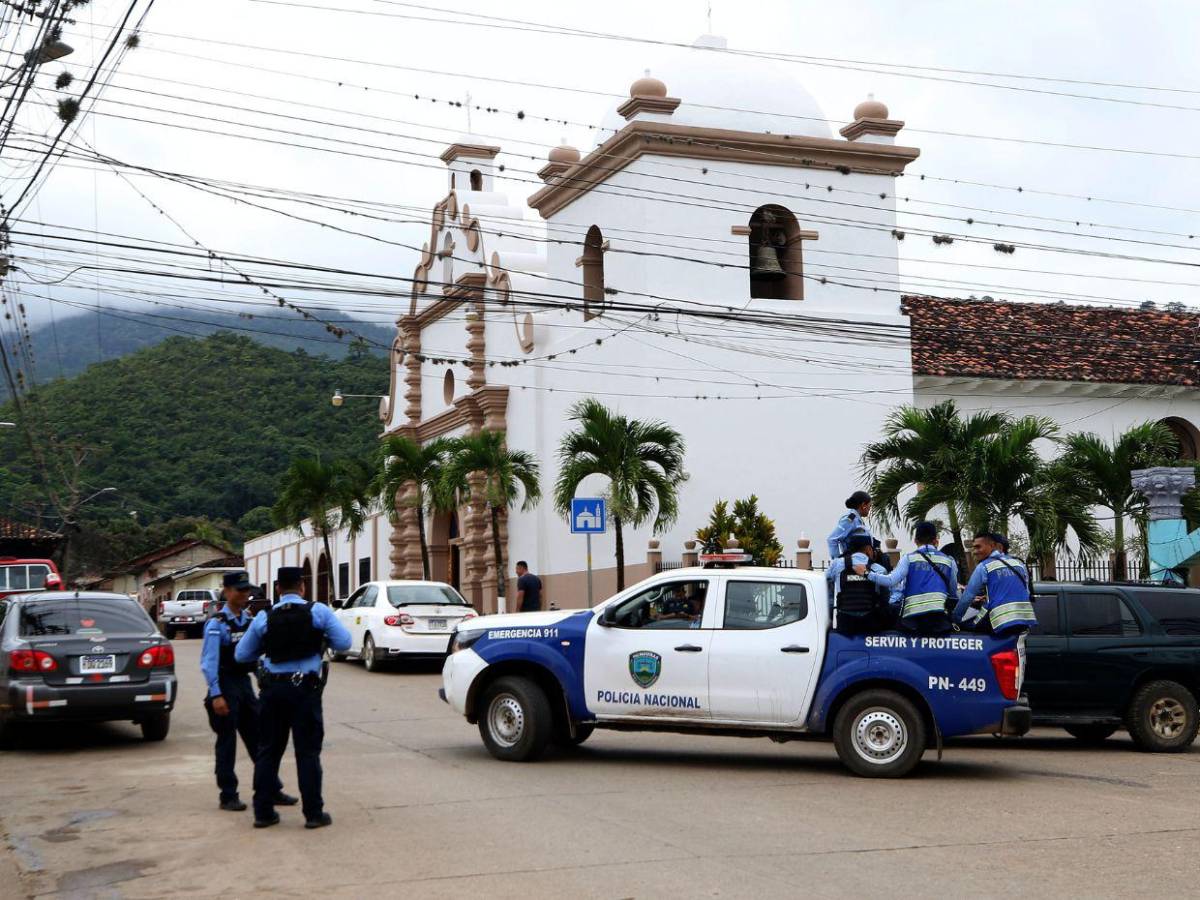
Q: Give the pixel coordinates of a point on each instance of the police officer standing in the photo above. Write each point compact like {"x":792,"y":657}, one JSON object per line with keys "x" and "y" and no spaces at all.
{"x":290,"y":639}
{"x":928,"y":585}
{"x":231,"y":703}
{"x":858,"y":506}
{"x":1006,"y":609}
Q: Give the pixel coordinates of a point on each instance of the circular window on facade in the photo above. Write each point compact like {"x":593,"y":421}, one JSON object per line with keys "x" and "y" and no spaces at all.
{"x":448,"y":387}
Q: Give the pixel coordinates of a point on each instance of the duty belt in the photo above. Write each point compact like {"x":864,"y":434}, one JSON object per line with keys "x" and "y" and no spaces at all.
{"x":299,"y":679}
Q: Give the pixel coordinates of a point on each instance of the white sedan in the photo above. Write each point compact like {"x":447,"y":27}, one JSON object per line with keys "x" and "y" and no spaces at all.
{"x":401,"y":619}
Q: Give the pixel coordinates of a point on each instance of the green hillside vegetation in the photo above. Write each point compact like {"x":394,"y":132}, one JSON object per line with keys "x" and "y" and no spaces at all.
{"x":72,"y":343}
{"x":193,"y":433}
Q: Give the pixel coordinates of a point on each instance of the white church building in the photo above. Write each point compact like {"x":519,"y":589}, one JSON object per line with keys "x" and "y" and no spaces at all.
{"x":663,"y":272}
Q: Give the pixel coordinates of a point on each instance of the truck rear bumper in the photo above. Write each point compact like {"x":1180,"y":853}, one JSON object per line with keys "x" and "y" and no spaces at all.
{"x":1017,"y":720}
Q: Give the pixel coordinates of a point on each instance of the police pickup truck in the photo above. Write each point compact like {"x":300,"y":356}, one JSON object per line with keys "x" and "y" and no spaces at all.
{"x":741,"y":651}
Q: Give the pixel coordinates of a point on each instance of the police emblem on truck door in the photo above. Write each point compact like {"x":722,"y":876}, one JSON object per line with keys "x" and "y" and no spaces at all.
{"x":645,"y":667}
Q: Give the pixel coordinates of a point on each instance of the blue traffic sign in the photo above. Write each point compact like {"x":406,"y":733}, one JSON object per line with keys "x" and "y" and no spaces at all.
{"x":589,"y":515}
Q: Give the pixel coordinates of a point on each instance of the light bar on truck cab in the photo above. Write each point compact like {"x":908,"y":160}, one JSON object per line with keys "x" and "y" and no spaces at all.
{"x":726,"y":559}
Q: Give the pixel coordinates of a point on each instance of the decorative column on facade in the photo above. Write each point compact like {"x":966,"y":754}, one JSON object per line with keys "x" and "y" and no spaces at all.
{"x":405,"y":539}
{"x":1171,"y":545}
{"x":412,"y":369}
{"x":475,"y":347}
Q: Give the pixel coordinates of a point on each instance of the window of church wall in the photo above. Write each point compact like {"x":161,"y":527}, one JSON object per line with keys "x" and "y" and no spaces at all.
{"x":776,"y":266}
{"x":476,"y":180}
{"x":593,"y":273}
{"x":1187,"y":436}
{"x":447,"y":262}
{"x":448,"y":387}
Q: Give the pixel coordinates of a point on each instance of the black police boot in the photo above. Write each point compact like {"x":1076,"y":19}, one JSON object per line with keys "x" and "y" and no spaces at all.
{"x":282,"y":799}
{"x":320,"y":821}
{"x":233,"y":804}
{"x":267,"y":823}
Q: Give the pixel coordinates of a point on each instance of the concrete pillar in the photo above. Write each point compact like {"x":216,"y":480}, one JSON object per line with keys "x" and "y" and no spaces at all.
{"x":893,"y":554}
{"x":653,"y":557}
{"x":691,"y":556}
{"x":803,"y":554}
{"x":1170,"y":543}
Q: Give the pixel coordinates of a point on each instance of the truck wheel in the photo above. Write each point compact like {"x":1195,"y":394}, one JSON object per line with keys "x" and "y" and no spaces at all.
{"x":1093,"y":733}
{"x":515,"y":719}
{"x":156,"y":727}
{"x":370,"y":656}
{"x":1162,"y":717}
{"x":879,"y":734}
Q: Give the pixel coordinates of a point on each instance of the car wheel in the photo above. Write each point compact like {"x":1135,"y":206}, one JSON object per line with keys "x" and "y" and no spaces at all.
{"x":156,"y":727}
{"x":879,"y":734}
{"x":1091,"y":733}
{"x":1162,"y":717}
{"x":515,"y":719}
{"x":370,"y":656}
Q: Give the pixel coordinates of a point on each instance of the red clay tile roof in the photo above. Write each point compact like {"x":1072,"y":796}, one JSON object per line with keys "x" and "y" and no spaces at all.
{"x":13,"y":530}
{"x":1054,"y":342}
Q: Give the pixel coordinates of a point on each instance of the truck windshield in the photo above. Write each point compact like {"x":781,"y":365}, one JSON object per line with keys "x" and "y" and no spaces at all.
{"x":82,"y":616}
{"x":416,"y":594}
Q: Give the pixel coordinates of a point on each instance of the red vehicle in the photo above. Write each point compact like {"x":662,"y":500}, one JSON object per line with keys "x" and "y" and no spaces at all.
{"x":20,"y":575}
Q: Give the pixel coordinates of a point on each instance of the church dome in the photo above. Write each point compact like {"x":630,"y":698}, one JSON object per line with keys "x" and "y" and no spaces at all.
{"x":729,"y":91}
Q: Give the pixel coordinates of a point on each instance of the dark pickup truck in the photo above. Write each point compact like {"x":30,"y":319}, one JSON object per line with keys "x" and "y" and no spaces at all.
{"x":1110,"y":656}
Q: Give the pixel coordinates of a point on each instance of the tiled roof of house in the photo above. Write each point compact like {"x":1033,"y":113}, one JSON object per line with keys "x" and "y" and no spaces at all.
{"x":1053,"y":342}
{"x":141,"y":562}
{"x":14,"y":530}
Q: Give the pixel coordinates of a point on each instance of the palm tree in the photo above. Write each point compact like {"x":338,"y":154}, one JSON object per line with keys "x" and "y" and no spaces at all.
{"x":506,"y":473}
{"x":643,"y":462}
{"x":928,"y":450}
{"x":404,"y":462}
{"x":1006,"y":476}
{"x":1103,"y":470}
{"x":330,"y":495}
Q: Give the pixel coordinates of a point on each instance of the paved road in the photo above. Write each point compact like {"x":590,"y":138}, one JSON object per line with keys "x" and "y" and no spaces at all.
{"x":420,"y":807}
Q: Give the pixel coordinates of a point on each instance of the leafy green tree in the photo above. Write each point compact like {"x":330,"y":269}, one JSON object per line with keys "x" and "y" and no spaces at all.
{"x":256,"y":522}
{"x":755,"y":532}
{"x":404,"y":462}
{"x":505,"y":475}
{"x":643,"y":462}
{"x":927,"y":451}
{"x":329,"y":495}
{"x":1102,"y":469}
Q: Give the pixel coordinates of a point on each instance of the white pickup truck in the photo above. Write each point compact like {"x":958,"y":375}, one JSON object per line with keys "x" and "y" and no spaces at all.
{"x":187,"y":612}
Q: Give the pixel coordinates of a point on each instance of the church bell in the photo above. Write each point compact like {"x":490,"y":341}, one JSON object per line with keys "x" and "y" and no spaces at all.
{"x":766,"y":263}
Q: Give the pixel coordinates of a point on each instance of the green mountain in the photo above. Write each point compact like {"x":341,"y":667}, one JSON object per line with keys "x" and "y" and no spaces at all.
{"x":197,"y":428}
{"x":67,"y":346}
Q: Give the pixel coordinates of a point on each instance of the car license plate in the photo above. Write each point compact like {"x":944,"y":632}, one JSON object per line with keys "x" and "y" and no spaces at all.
{"x":98,"y":665}
{"x":437,"y":624}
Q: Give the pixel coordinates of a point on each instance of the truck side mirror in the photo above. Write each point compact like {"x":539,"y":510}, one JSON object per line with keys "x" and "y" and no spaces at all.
{"x":337,"y":603}
{"x":608,"y":617}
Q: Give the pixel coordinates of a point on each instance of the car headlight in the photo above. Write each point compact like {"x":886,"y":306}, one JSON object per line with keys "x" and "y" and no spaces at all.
{"x":464,"y":639}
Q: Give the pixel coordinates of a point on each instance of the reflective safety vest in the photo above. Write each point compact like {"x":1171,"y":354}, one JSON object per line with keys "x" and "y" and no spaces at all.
{"x":1008,"y":603}
{"x":925,"y":585}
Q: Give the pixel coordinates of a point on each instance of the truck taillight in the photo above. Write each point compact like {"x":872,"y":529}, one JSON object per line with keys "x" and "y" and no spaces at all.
{"x":161,"y":604}
{"x":1007,"y":665}
{"x":31,"y":661}
{"x":158,"y":655}
{"x":401,"y":619}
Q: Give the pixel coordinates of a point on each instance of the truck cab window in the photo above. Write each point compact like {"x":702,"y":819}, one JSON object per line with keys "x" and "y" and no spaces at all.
{"x":676,"y":604}
{"x":1100,"y":615}
{"x":763,"y":604}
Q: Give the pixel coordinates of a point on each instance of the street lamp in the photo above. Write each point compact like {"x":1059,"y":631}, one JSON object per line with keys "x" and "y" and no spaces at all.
{"x":339,"y":398}
{"x":47,"y":52}
{"x":8,"y":424}
{"x":107,"y":490}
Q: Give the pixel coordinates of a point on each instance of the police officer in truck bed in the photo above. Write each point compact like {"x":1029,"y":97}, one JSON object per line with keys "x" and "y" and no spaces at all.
{"x":290,"y":639}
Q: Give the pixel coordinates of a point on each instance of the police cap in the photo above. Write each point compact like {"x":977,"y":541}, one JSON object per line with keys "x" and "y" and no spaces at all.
{"x":239,"y":581}
{"x":858,"y":540}
{"x":289,"y":574}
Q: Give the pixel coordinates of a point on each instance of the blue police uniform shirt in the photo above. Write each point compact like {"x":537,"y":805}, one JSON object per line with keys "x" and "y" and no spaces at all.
{"x":976,"y":585}
{"x":896,"y":580}
{"x":249,"y":648}
{"x":216,"y":636}
{"x":850,"y":522}
{"x":834,"y":573}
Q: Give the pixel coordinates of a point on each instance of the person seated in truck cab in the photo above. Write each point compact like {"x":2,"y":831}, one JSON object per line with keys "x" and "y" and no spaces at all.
{"x":677,"y":605}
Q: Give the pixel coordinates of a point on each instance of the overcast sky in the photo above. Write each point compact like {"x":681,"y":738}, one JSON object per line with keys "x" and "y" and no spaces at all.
{"x":1149,"y":44}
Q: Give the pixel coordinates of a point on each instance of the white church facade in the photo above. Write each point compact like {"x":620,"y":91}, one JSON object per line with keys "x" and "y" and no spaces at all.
{"x":664,"y":273}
